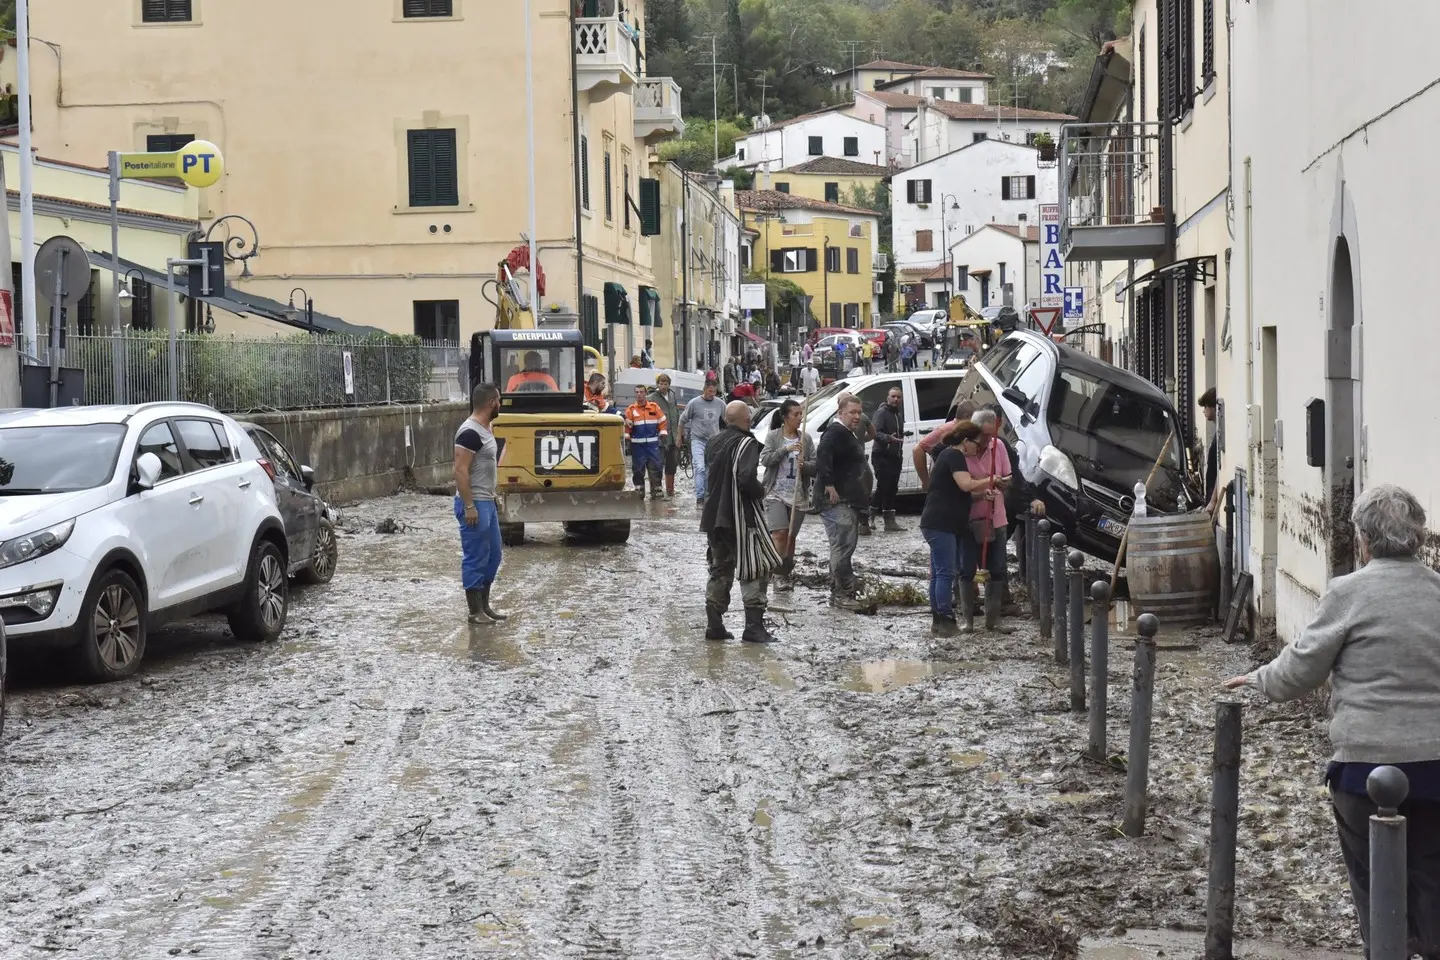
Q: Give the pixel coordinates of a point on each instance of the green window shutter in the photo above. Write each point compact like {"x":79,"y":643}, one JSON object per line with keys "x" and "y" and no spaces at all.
{"x":585,"y":172}
{"x":434,"y":171}
{"x":649,"y":207}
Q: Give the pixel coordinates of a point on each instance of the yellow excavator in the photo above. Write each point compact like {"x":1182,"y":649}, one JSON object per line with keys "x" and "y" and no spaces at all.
{"x":561,"y":460}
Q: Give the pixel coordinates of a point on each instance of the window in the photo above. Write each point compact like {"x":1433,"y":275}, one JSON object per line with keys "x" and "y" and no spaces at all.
{"x":832,"y":259}
{"x":1007,"y":368}
{"x":85,"y":310}
{"x":852,"y":146}
{"x":939,"y":93}
{"x":967,"y":94}
{"x":205,"y":446}
{"x":167,"y":142}
{"x":782,"y":187}
{"x":1142,"y":74}
{"x":873,"y":396}
{"x":962,"y":277}
{"x":745,"y":255}
{"x":625,"y":188}
{"x":740,"y":153}
{"x":1017,"y":188}
{"x":832,"y":193}
{"x":437,"y":320}
{"x":976,"y":138}
{"x":1002,"y":273}
{"x":917,"y":191}
{"x":274,"y":451}
{"x":1207,"y":57}
{"x":609,"y":183}
{"x":817,"y":146}
{"x":585,"y":172}
{"x":924,"y":241}
{"x":852,"y":259}
{"x":852,"y":315}
{"x":793,"y":260}
{"x":934,"y":396}
{"x":429,"y":8}
{"x":434,"y":176}
{"x":161,"y":442}
{"x":165,"y":11}
{"x":142,"y":305}
{"x":836,"y":317}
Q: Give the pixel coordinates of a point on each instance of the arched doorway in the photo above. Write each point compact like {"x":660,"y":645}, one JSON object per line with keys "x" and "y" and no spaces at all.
{"x":1343,"y":388}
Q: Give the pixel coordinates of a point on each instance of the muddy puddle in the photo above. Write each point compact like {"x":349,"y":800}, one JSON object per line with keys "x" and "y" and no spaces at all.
{"x":883,"y":676}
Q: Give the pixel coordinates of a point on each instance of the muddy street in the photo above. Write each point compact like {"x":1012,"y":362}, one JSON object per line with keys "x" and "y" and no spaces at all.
{"x":592,"y":779}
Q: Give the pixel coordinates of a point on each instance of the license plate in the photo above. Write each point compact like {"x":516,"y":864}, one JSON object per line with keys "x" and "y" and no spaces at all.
{"x":1113,"y":527}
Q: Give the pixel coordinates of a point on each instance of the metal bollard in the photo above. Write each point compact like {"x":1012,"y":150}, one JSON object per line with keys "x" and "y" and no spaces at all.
{"x":1077,"y":631}
{"x":1389,"y":925}
{"x":1021,"y":539}
{"x":1032,"y":581}
{"x":1042,"y":573}
{"x":1142,"y":700}
{"x":1057,"y":597}
{"x":1224,"y":817}
{"x":1099,"y":667}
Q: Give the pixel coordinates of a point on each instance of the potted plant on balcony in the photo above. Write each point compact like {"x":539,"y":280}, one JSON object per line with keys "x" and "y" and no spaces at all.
{"x":1046,"y":145}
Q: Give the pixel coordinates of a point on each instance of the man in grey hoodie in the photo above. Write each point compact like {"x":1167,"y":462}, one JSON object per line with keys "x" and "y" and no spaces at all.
{"x":703,"y":418}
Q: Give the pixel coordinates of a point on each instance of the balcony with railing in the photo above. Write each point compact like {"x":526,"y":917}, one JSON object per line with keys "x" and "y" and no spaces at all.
{"x":1110,"y":199}
{"x":657,"y":109}
{"x":607,"y":50}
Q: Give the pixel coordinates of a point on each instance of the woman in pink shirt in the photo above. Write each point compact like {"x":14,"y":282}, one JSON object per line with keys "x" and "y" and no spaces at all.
{"x":987,"y":524}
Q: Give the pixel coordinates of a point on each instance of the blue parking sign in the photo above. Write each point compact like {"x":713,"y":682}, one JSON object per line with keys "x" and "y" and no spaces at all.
{"x":1074,"y":303}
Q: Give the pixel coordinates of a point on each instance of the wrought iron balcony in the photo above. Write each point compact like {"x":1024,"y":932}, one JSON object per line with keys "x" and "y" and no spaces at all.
{"x":657,"y":109}
{"x":1110,"y":192}
{"x":607,"y":54}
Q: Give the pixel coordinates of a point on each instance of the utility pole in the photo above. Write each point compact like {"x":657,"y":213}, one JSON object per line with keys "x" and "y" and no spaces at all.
{"x":714,"y":90}
{"x":764,"y":81}
{"x":9,"y":362}
{"x":27,"y":178}
{"x":854,"y":46}
{"x":530,"y":135}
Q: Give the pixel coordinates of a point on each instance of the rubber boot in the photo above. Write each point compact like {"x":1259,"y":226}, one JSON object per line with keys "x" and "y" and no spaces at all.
{"x":474,"y":602}
{"x":715,"y":624}
{"x":864,"y":524}
{"x":992,"y":613}
{"x":488,"y":610}
{"x":669,"y":486}
{"x":890,"y":525}
{"x":755,"y":631}
{"x":967,"y":605}
{"x":943,"y":626}
{"x":784,"y":592}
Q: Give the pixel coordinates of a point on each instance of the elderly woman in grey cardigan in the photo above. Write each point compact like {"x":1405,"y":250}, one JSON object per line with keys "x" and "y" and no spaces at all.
{"x":789,"y":463}
{"x":1376,"y":638}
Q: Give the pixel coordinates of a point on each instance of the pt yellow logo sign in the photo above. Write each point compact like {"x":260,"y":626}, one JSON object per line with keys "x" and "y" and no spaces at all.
{"x":567,"y":452}
{"x":198,"y":164}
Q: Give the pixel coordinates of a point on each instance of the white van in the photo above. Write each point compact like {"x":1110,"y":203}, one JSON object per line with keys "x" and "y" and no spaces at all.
{"x":928,"y":396}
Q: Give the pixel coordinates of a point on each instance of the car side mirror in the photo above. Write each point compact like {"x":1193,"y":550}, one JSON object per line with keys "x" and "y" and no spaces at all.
{"x":1014,"y":395}
{"x":308,"y":476}
{"x":147,"y":471}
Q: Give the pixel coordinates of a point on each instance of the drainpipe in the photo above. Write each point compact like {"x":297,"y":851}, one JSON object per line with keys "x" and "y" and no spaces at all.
{"x":1230,"y":121}
{"x":575,"y":166}
{"x":1251,"y":440}
{"x":685,"y":260}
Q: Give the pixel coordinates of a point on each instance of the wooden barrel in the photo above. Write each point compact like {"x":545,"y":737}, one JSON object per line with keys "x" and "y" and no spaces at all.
{"x":1173,"y":568}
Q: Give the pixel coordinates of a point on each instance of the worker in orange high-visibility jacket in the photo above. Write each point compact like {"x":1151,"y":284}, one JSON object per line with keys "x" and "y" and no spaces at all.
{"x":646,"y":428}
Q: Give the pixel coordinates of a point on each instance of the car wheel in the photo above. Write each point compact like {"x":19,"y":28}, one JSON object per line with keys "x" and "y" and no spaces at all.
{"x":260,"y":615}
{"x":111,"y":628}
{"x":512,"y":534}
{"x":321,"y":568}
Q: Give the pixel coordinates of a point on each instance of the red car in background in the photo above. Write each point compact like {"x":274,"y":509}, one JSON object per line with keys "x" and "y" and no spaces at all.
{"x":876,"y":336}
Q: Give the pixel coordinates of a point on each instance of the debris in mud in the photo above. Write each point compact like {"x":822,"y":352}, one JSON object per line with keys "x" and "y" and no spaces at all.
{"x":886,"y":593}
{"x":389,"y":525}
{"x":1026,"y":933}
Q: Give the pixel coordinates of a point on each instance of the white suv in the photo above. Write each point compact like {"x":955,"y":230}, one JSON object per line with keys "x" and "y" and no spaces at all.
{"x":114,"y":520}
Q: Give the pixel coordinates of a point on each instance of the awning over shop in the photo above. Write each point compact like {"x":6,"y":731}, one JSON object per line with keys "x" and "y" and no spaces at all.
{"x":617,"y":303}
{"x":239,"y":302}
{"x":650,"y":308}
{"x":753,"y":337}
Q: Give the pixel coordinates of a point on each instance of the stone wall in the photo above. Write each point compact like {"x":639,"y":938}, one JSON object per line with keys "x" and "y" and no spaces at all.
{"x":361,"y":452}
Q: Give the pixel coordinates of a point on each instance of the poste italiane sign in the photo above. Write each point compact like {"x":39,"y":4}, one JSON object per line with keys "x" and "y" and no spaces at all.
{"x":198,"y":164}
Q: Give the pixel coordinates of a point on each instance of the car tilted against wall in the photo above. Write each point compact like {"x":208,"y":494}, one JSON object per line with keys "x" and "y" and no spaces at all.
{"x":1085,"y":432}
{"x":115,"y":520}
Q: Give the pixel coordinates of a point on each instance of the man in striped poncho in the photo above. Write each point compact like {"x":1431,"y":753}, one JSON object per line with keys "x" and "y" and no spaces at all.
{"x":733,"y":519}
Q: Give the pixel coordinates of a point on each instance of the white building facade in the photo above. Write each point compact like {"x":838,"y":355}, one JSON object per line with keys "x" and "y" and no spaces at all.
{"x":942,"y":126}
{"x":939,"y":203}
{"x":829,"y":133}
{"x":998,"y":265}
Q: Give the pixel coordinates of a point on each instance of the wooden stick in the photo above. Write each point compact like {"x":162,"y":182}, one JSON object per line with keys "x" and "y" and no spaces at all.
{"x":1125,"y":537}
{"x":788,"y":564}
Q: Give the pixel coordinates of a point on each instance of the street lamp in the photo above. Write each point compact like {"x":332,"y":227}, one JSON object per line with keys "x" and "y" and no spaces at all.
{"x":945,"y":240}
{"x":309,"y":306}
{"x":125,"y":292}
{"x":237,"y":248}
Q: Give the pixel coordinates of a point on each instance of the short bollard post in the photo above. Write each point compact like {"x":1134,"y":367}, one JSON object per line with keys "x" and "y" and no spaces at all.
{"x":1142,"y":701}
{"x":1032,"y":581}
{"x":1042,"y":574}
{"x":1099,"y":667}
{"x":1057,"y":598}
{"x":1224,"y":816}
{"x":1077,"y":631}
{"x":1389,"y":925}
{"x":1021,"y":539}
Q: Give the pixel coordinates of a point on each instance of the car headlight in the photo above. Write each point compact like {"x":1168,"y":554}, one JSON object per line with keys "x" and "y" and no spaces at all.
{"x":37,"y":544}
{"x":1057,"y":465}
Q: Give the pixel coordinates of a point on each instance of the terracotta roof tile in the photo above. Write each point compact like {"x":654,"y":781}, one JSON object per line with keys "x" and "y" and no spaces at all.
{"x":989,"y":111}
{"x":775,"y":200}
{"x":939,"y":73}
{"x":840,"y":167}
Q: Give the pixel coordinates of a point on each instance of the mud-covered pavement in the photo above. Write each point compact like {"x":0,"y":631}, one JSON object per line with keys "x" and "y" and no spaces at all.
{"x":592,"y":779}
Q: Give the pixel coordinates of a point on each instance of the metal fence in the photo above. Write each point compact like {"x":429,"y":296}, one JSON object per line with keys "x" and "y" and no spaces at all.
{"x":241,"y":375}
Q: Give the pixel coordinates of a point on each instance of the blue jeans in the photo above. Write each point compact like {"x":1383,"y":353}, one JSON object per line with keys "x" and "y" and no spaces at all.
{"x":994,"y":558}
{"x":697,"y":463}
{"x":479,"y":545}
{"x":944,"y":555}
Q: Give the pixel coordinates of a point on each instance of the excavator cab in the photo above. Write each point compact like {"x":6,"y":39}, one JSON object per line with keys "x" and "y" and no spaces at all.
{"x":559,"y":459}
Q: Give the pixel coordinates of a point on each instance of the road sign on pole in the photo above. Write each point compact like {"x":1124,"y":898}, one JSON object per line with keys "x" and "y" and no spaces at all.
{"x":1046,"y":318}
{"x":1074,"y":303}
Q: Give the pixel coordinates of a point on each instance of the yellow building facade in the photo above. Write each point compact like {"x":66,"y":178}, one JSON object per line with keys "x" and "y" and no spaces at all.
{"x":827,"y":249}
{"x":383,"y":165}
{"x":828,"y":179}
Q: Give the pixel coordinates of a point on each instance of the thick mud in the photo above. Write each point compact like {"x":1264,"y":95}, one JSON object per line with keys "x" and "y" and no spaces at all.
{"x":592,"y":779}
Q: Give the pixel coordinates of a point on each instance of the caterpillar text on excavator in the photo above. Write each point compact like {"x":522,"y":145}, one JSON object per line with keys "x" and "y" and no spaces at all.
{"x":561,"y":460}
